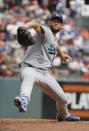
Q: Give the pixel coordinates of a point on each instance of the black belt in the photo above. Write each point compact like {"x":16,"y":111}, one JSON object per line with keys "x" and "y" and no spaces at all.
{"x":33,"y":66}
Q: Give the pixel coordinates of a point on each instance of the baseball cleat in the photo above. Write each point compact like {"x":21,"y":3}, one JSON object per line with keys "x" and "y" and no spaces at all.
{"x":69,"y":118}
{"x":20,"y":103}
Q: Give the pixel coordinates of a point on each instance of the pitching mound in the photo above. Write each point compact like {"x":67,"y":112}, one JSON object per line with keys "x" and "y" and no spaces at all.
{"x":42,"y":125}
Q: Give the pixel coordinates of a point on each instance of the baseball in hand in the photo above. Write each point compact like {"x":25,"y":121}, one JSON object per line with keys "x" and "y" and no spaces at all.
{"x":67,"y":61}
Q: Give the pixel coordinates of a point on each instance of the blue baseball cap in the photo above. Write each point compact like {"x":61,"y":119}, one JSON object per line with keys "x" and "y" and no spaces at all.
{"x":56,"y":16}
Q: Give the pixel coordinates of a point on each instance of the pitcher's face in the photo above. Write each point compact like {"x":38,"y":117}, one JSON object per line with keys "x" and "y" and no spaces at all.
{"x":55,"y":25}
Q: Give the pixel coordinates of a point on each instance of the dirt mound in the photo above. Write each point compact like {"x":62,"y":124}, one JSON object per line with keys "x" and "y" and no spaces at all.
{"x":42,"y":125}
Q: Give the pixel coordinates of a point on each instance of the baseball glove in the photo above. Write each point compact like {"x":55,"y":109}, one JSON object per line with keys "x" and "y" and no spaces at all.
{"x":24,"y":37}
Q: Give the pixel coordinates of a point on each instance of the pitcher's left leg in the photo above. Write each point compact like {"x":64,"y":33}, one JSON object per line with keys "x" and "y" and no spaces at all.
{"x":61,"y":102}
{"x":55,"y":91}
{"x":51,"y":87}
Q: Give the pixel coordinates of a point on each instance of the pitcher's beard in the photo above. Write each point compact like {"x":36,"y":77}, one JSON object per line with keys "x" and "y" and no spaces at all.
{"x":54,"y":30}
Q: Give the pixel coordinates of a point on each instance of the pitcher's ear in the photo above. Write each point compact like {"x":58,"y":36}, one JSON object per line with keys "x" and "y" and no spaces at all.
{"x":62,"y":28}
{"x":48,"y":22}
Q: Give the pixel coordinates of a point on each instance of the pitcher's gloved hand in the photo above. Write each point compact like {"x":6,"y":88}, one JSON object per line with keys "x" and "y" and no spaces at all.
{"x":24,"y":37}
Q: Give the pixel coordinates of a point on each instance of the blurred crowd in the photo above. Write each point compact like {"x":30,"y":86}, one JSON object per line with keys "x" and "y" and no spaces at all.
{"x":73,"y":40}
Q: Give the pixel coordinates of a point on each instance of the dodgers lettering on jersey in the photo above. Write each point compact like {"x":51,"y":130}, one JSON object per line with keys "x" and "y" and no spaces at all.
{"x":52,"y":50}
{"x":42,"y":53}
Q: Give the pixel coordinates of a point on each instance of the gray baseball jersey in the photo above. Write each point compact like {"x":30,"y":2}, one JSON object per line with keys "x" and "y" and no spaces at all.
{"x":43,"y":52}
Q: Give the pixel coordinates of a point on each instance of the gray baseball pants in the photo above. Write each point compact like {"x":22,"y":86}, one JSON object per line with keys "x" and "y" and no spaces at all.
{"x":31,"y":76}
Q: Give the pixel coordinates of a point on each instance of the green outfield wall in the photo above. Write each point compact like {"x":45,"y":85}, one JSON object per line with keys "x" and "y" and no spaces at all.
{"x":41,"y":106}
{"x":9,"y":88}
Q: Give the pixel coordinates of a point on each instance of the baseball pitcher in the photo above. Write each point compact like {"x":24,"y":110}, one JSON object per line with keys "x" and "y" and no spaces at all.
{"x":40,"y":53}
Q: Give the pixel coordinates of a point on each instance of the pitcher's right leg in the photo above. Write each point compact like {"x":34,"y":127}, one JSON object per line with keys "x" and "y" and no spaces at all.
{"x":28,"y":76}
